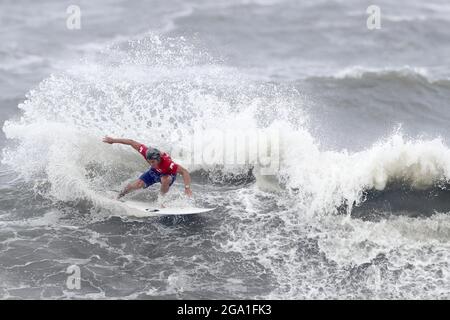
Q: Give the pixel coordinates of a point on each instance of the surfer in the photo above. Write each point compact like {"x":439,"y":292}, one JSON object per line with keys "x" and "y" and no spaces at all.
{"x":162,"y":169}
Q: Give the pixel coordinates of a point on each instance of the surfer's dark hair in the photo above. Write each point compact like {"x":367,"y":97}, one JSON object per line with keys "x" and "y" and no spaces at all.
{"x":153,"y":154}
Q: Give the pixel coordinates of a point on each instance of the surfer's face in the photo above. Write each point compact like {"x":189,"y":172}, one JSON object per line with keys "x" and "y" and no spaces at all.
{"x":153,"y":162}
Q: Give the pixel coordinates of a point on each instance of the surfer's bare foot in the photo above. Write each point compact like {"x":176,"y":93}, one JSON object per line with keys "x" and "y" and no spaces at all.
{"x":160,"y":203}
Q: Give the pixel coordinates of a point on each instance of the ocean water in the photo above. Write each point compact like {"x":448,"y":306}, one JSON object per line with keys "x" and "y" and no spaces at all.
{"x":357,"y":208}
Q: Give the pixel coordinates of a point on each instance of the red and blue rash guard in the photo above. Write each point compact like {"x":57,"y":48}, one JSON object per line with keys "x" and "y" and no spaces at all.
{"x":165,"y":166}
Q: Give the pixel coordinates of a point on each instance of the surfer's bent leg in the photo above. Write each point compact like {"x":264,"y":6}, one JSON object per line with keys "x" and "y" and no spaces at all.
{"x":166,"y":182}
{"x":145,"y":180}
{"x":138,"y":184}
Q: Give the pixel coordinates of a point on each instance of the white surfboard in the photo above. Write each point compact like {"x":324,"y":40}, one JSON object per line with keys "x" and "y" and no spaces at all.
{"x":143,"y":209}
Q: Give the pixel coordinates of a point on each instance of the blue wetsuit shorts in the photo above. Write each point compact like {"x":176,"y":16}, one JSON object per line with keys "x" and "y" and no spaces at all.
{"x":152,"y":176}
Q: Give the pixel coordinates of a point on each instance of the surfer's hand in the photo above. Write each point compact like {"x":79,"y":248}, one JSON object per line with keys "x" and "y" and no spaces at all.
{"x":188,"y":192}
{"x":108,"y":140}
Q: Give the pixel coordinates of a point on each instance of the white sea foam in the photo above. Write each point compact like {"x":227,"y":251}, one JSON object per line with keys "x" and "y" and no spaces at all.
{"x":150,"y":89}
{"x":357,"y":72}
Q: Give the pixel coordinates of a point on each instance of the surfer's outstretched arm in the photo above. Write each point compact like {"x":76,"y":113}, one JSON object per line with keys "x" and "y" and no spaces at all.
{"x":136,"y":145}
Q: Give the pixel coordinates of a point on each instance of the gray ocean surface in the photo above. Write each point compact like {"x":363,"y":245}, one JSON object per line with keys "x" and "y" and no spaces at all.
{"x":358,"y":208}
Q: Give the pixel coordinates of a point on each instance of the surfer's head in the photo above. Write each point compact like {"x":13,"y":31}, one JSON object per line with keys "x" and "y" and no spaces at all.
{"x":153,"y":156}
